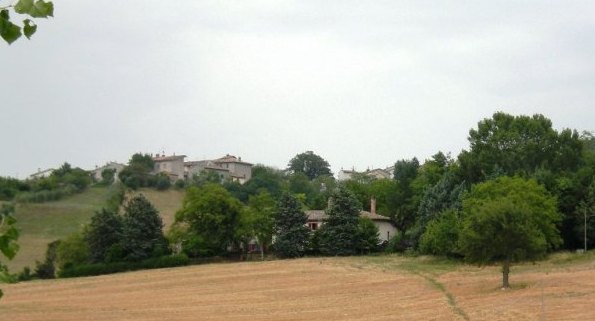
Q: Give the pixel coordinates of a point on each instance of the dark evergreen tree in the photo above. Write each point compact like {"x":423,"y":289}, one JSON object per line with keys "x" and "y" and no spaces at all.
{"x":104,"y":233}
{"x":367,"y":233}
{"x":142,"y":235}
{"x":339,"y":235}
{"x":290,"y":228}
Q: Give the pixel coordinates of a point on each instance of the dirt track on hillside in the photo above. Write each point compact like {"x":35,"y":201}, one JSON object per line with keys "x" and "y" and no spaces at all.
{"x":305,"y":289}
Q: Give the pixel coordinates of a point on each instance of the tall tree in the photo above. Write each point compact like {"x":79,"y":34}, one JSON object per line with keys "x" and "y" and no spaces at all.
{"x":519,"y":145}
{"x":339,"y":233}
{"x":103,"y":234}
{"x":212,"y":214}
{"x":408,"y":199}
{"x":142,"y":231}
{"x":291,"y":233}
{"x":310,"y":164}
{"x":258,"y":219}
{"x":507,"y":220}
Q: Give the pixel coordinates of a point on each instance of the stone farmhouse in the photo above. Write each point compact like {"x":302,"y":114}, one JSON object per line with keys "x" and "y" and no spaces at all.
{"x":377,"y":173}
{"x":386,"y":228}
{"x":229,"y":167}
{"x":96,"y":173}
{"x":172,"y":165}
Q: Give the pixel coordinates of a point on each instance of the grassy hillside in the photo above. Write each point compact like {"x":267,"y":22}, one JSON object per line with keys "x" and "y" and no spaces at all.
{"x":353,"y":288}
{"x":46,"y":222}
{"x":167,"y":203}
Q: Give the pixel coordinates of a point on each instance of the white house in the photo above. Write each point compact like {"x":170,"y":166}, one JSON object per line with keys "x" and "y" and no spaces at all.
{"x":386,"y":228}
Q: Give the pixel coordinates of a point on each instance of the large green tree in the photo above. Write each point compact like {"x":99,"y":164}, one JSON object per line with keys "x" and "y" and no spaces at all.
{"x":339,"y":233}
{"x":258,"y":219}
{"x":142,"y":230}
{"x":213,"y":215}
{"x":104,"y":235}
{"x":291,"y":233}
{"x":8,"y":236}
{"x":507,"y":220}
{"x":10,"y":31}
{"x":518,"y":145}
{"x":310,"y":164}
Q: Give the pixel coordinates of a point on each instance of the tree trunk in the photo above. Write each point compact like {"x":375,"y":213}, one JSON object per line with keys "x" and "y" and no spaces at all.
{"x":505,"y":272}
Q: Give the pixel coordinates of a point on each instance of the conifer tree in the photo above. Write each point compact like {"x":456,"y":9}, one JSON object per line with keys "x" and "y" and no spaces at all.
{"x":291,"y":233}
{"x":339,"y":234}
{"x":142,"y":230}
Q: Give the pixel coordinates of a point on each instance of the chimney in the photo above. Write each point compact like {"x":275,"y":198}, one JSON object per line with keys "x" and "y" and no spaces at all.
{"x":373,"y":205}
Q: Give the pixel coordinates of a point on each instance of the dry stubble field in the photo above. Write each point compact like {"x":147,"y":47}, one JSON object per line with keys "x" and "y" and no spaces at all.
{"x":357,"y":288}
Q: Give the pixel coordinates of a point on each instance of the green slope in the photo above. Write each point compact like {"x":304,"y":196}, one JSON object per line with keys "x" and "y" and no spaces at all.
{"x":45,"y":222}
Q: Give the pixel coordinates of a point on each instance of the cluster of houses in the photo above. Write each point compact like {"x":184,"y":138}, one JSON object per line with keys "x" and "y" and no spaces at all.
{"x":230,"y":167}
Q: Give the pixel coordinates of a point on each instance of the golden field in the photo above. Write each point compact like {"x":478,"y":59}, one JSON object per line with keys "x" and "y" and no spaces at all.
{"x":354,"y":288}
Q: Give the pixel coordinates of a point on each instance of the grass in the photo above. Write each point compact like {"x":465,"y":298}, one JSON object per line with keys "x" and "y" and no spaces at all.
{"x":41,"y":223}
{"x":167,"y":202}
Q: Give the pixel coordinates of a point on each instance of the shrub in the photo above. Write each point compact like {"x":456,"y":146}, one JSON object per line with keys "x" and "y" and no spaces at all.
{"x":115,"y":267}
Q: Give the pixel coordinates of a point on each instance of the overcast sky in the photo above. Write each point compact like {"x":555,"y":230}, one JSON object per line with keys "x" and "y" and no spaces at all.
{"x":361,"y":83}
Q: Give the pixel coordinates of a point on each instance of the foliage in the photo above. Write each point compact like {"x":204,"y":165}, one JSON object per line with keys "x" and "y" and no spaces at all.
{"x":103,"y":234}
{"x":339,"y":232}
{"x":518,"y":145}
{"x":508,"y":220}
{"x":47,"y":268}
{"x":207,"y":177}
{"x":162,"y":182}
{"x":405,"y":173}
{"x":9,"y":187}
{"x":107,"y":176}
{"x":72,"y":251}
{"x":586,"y":210}
{"x":291,"y":233}
{"x":115,"y":267}
{"x":441,"y":235}
{"x":115,"y":197}
{"x":138,"y":171}
{"x":212,"y":214}
{"x":396,"y":243}
{"x":142,"y":231}
{"x":367,"y":235}
{"x":258,"y":219}
{"x":8,"y":236}
{"x":309,"y":164}
{"x":180,"y":184}
{"x":446,"y":194}
{"x":34,"y":9}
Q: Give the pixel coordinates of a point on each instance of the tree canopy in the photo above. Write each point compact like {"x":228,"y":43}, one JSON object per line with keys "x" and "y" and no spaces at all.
{"x":212,"y":214}
{"x":309,"y":164}
{"x":291,"y":233}
{"x":339,"y":233}
{"x":508,"y":220}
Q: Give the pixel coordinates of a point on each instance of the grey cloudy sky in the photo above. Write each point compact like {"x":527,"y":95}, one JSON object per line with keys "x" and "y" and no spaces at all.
{"x":361,"y":83}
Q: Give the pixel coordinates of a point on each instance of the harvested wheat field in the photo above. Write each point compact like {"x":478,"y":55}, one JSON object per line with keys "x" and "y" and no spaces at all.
{"x":358,"y":288}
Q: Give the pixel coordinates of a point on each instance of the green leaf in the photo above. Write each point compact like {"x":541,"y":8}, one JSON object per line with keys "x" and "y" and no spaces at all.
{"x":38,"y":9}
{"x":8,"y":30}
{"x":29,"y":28}
{"x":23,"y":6}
